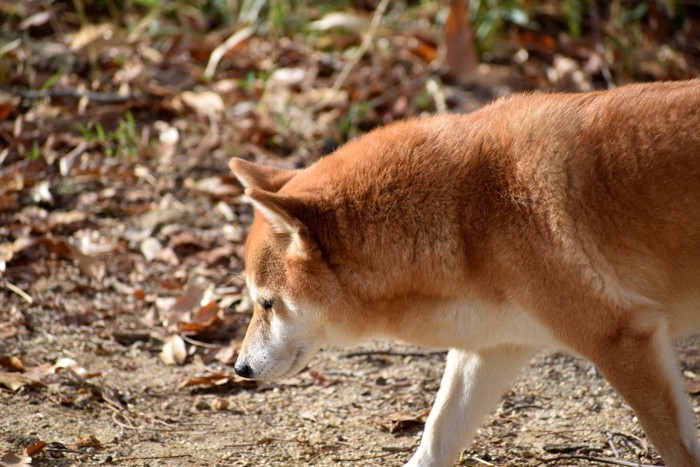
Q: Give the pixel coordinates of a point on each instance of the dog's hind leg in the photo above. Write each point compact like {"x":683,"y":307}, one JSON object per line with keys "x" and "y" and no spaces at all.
{"x":642,"y":367}
{"x":471,"y":386}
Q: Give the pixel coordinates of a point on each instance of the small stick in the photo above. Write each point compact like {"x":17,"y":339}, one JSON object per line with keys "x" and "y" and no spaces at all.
{"x":197,"y":343}
{"x":13,"y":288}
{"x":366,"y":353}
{"x":364,"y":46}
{"x":136,"y":458}
{"x":601,"y":460}
{"x":102,"y":97}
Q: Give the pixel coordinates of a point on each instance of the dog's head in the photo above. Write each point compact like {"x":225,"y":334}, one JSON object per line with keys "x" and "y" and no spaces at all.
{"x":290,"y":284}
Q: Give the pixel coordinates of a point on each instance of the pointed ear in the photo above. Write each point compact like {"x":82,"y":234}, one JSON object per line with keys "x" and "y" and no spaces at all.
{"x":283,"y":213}
{"x":263,"y":177}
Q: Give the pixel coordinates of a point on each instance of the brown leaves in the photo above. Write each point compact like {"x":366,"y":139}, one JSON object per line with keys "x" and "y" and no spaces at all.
{"x":196,"y":314}
{"x":400,"y":422}
{"x":21,"y":374}
{"x":40,"y":246}
{"x":218,"y":379}
{"x":174,"y":351}
{"x":460,"y":48}
{"x":13,"y":460}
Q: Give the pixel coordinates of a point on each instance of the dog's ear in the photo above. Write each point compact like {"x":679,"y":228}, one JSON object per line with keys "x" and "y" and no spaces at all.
{"x":285,"y":215}
{"x":263,"y":177}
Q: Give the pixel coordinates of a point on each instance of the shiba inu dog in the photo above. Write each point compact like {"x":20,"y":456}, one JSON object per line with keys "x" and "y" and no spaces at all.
{"x":566,"y":220}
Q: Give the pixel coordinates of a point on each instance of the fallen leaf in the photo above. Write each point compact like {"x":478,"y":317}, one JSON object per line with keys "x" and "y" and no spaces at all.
{"x":218,"y":379}
{"x":174,"y":351}
{"x":320,"y":379}
{"x":460,"y":49}
{"x":150,"y":247}
{"x":693,"y":387}
{"x":35,"y":448}
{"x":8,"y":104}
{"x":89,"y":34}
{"x":213,"y":256}
{"x":219,"y":404}
{"x":205,"y":103}
{"x":12,"y":363}
{"x":36,"y":19}
{"x":14,"y":381}
{"x":13,"y":460}
{"x":402,"y":422}
{"x":206,"y":317}
{"x":228,"y":354}
{"x":72,"y":366}
{"x":84,"y":442}
{"x":219,"y":186}
{"x":349,"y":22}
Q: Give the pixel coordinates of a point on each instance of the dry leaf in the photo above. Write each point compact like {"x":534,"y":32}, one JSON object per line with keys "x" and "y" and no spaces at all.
{"x":150,"y":247}
{"x":14,"y":381}
{"x":205,"y":103}
{"x":227,"y":355}
{"x":460,"y":50}
{"x":13,"y":460}
{"x":11,"y":362}
{"x":174,"y":351}
{"x":320,"y":379}
{"x":72,"y":366}
{"x":85,"y":442}
{"x":206,"y":317}
{"x":693,"y":387}
{"x":219,"y":404}
{"x":401,"y":422}
{"x":89,"y":34}
{"x":218,"y":186}
{"x":218,"y":379}
{"x":36,"y":19}
{"x":8,"y":104}
{"x":349,"y":22}
{"x":35,"y":448}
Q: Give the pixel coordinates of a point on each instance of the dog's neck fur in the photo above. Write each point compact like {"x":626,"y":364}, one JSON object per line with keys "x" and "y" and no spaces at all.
{"x":425,"y":224}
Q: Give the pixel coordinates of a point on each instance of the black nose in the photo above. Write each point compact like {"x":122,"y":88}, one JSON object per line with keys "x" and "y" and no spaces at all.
{"x":243,"y":370}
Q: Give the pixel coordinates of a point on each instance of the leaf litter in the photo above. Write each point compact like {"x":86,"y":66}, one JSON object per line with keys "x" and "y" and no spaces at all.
{"x":122,"y":232}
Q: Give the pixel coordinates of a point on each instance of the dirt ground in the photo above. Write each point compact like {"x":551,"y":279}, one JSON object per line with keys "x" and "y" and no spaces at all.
{"x":341,"y":411}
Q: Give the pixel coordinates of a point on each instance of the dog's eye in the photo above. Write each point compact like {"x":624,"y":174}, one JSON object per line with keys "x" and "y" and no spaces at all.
{"x":266,"y":304}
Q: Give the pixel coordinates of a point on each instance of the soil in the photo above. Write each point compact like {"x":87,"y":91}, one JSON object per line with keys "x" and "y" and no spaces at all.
{"x":362,"y":406}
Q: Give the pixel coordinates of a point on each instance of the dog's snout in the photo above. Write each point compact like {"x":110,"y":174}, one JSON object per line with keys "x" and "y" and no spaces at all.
{"x":243,"y":370}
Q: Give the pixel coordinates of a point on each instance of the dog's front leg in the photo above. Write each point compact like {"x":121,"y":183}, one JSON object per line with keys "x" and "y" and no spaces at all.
{"x":471,"y":386}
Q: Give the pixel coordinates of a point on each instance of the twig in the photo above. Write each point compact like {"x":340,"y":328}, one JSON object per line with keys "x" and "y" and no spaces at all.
{"x":600,"y":460}
{"x":196,"y":343}
{"x":219,"y":52}
{"x":481,"y":461}
{"x":599,"y":48}
{"x":358,"y":459}
{"x":102,"y":97}
{"x":144,"y":458}
{"x":129,"y":426}
{"x":364,"y":46}
{"x":611,"y":443}
{"x":366,"y":353}
{"x":13,"y":288}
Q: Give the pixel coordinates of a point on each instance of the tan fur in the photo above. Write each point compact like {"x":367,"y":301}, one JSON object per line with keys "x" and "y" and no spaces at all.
{"x":568,"y":220}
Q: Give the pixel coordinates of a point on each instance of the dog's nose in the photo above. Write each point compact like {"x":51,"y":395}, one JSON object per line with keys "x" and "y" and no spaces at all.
{"x":243,"y":370}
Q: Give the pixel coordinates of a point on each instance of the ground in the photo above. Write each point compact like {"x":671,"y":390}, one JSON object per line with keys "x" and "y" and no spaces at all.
{"x":361,"y":406}
{"x":122,"y":303}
